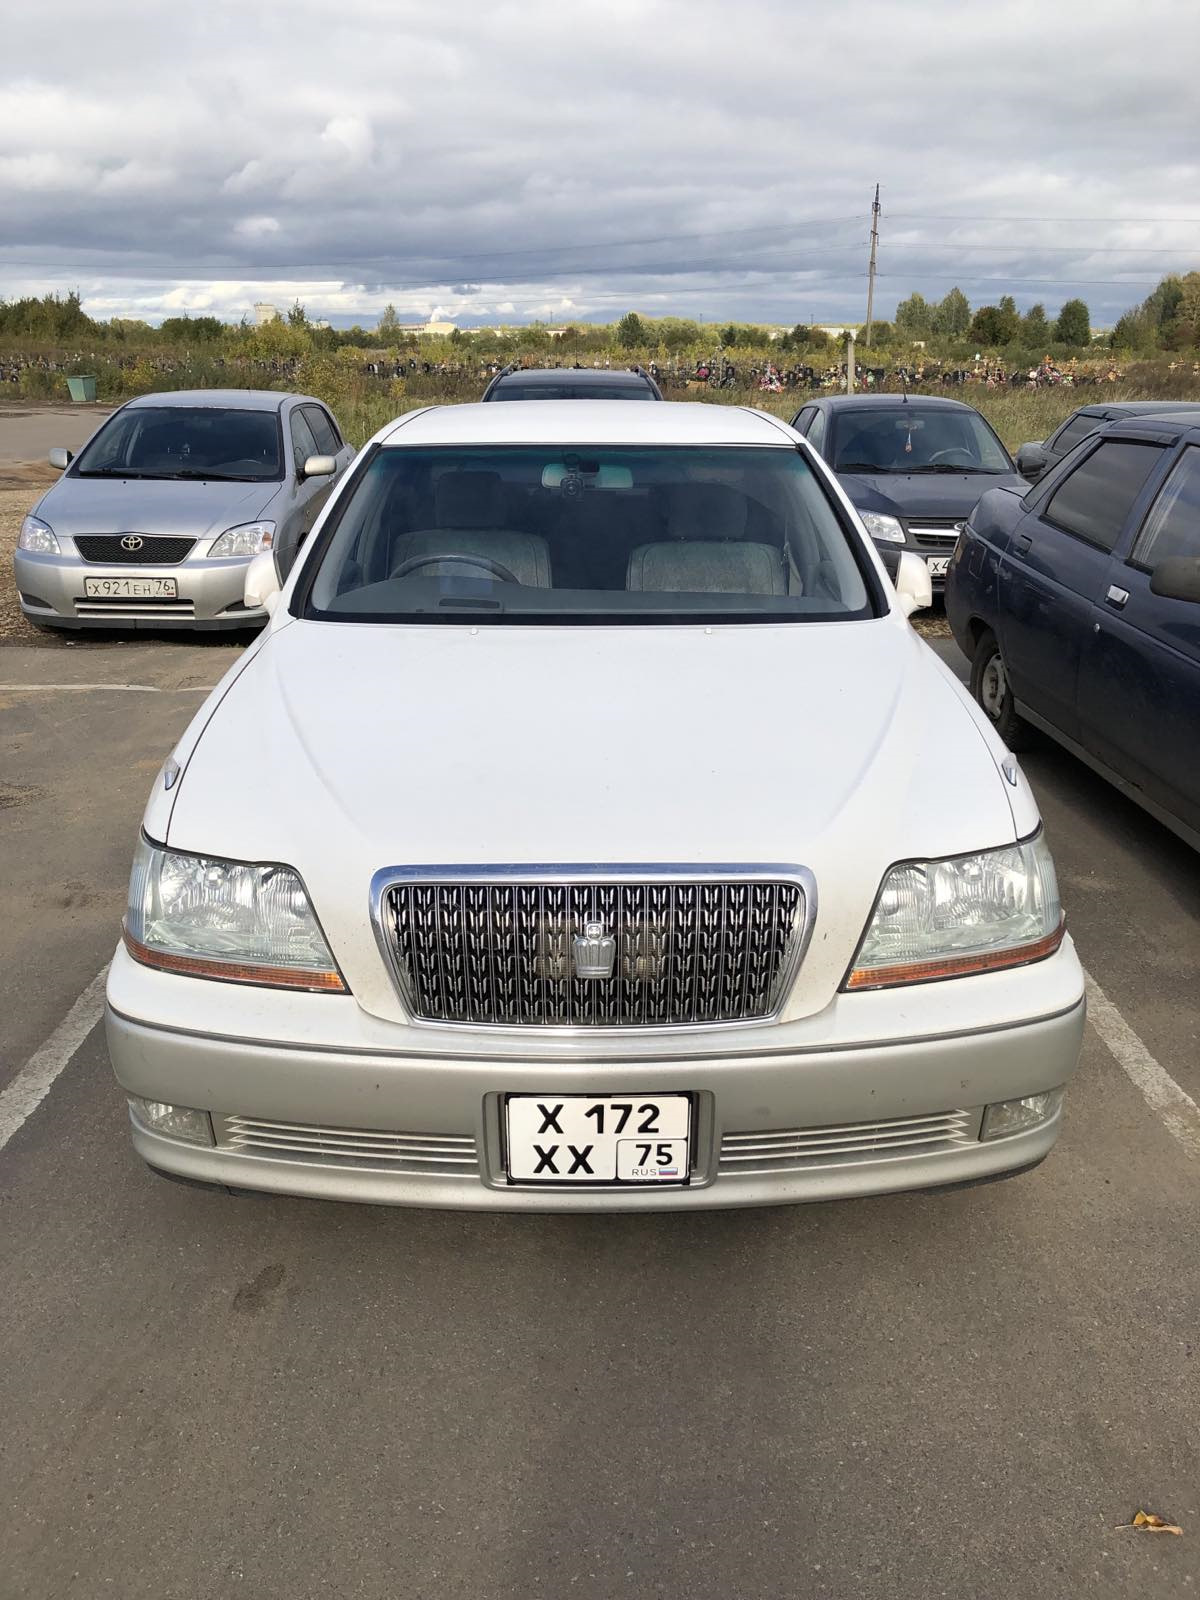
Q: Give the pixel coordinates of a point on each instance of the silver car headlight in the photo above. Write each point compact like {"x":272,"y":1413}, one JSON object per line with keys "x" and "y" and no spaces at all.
{"x":38,"y":538}
{"x":247,"y":539}
{"x":946,"y":919}
{"x":880,"y":526}
{"x":240,"y":921}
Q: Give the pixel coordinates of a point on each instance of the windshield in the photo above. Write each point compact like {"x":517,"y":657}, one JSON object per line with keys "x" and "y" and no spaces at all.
{"x":581,"y":534}
{"x":573,"y":391}
{"x":209,"y":442}
{"x":916,"y":438}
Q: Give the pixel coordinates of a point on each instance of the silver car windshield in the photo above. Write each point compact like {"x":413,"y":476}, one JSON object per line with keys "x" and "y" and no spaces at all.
{"x":211,"y":442}
{"x":581,"y":534}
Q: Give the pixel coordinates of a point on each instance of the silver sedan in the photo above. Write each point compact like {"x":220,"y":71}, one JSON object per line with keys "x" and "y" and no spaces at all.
{"x":154,"y":523}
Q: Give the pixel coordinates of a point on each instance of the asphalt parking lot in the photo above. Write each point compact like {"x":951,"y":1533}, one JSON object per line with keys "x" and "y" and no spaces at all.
{"x":934,"y":1395}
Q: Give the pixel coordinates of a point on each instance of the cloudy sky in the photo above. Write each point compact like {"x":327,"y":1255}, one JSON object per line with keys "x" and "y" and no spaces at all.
{"x":571,"y":159}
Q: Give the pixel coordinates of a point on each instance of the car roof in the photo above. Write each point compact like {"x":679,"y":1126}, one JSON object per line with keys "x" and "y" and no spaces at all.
{"x":1134,"y":408}
{"x":595,"y":422}
{"x":846,"y":402}
{"x":591,"y":376}
{"x":230,"y":399}
{"x":1173,"y":425}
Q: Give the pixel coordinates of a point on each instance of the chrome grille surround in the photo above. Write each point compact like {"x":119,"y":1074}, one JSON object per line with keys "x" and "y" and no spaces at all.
{"x":846,"y":1144}
{"x":492,"y":947}
{"x":424,"y":1154}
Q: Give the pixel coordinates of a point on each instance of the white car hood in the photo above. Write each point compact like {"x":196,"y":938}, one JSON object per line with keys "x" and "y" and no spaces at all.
{"x":344,"y":748}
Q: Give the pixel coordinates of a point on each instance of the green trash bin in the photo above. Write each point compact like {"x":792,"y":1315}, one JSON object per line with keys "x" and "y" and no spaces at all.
{"x":83,"y":390}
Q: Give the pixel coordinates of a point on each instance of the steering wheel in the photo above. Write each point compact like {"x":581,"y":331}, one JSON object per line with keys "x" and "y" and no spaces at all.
{"x":415,"y":563}
{"x":954,"y":450}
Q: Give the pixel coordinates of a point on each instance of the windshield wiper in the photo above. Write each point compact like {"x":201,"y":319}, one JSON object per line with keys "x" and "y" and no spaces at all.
{"x":211,"y":477}
{"x":864,"y":466}
{"x":944,"y":466}
{"x":121,"y":472}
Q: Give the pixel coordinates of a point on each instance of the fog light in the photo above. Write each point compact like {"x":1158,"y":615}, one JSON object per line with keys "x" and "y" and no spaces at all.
{"x":173,"y":1122}
{"x":1018,"y":1116}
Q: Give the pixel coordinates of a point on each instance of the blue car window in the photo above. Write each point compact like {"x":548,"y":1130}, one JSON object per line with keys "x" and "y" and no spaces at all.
{"x":1172,"y":527}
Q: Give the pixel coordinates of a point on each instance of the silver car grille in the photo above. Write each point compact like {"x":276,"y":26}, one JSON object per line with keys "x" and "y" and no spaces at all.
{"x":594,"y":953}
{"x":847,"y":1143}
{"x":420,"y":1153}
{"x":154,"y":549}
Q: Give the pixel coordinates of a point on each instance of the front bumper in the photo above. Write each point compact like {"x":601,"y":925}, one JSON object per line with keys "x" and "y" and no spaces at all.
{"x":209,"y":594}
{"x":422,"y":1128}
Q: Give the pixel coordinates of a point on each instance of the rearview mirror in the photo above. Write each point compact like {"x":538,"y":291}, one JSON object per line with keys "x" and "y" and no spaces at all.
{"x":1177,"y":578}
{"x":319,"y":467}
{"x":912,"y":583}
{"x":60,"y":458}
{"x":262,"y":585}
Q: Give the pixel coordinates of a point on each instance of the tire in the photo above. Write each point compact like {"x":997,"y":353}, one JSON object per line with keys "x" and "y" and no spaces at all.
{"x":989,"y":686}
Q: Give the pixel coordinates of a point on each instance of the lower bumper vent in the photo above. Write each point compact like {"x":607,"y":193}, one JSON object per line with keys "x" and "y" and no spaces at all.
{"x":847,"y":1143}
{"x":429,"y":1153}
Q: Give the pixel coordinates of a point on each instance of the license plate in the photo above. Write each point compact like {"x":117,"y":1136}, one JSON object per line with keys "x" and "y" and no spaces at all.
{"x":129,"y":588}
{"x":938,"y":565}
{"x":583,"y":1139}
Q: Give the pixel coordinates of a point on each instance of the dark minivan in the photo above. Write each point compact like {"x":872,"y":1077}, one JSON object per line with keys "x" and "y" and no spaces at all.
{"x":1078,"y":604}
{"x":914,"y":466}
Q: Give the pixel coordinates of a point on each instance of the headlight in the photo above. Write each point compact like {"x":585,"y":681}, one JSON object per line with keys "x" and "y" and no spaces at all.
{"x":243,"y":922}
{"x":248,"y":539}
{"x":945,"y":919}
{"x":880,"y":526}
{"x":37,"y":536}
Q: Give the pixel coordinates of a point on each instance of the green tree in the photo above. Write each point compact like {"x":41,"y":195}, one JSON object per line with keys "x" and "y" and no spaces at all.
{"x":631,"y":331}
{"x":914,"y":317}
{"x":806,"y":336}
{"x":1074,"y":324}
{"x":951,"y":317}
{"x":297,"y":316}
{"x":1035,"y":327}
{"x":198,"y":329}
{"x":729,"y":336}
{"x":881,"y":333}
{"x":1161,"y":306}
{"x":989,"y":326}
{"x":676,"y":333}
{"x":1010,"y":318}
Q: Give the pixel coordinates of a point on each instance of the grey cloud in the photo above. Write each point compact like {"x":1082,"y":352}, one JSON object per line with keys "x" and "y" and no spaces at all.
{"x":676,"y":155}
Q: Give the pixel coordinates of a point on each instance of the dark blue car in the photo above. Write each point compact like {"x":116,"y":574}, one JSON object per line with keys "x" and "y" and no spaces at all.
{"x":914,"y":466}
{"x":1078,"y":604}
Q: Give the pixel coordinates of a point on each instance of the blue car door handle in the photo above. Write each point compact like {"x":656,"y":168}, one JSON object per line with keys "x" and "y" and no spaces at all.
{"x":1022,"y":542}
{"x":1116,"y":596}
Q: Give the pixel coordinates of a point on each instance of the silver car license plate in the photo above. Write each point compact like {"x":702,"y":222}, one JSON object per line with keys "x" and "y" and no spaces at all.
{"x":129,"y":588}
{"x":635,"y":1139}
{"x":938,"y":565}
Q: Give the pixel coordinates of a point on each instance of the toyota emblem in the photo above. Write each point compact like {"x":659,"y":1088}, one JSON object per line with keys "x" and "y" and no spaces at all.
{"x":132,"y":541}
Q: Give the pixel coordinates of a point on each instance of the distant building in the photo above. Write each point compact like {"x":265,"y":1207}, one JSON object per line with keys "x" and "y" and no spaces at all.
{"x":265,"y":312}
{"x":434,"y":326}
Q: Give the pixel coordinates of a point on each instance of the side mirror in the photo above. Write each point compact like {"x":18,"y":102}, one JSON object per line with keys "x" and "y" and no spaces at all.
{"x":60,"y":458}
{"x":912,"y":584}
{"x":319,"y":467}
{"x":262,"y":584}
{"x":1177,"y":578}
{"x":1032,"y":460}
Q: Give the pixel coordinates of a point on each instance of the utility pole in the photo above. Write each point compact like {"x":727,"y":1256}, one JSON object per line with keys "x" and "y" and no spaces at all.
{"x":871,"y":269}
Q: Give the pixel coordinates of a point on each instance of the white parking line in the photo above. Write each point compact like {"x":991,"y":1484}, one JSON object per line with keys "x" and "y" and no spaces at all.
{"x":32,"y":1084}
{"x":1158,"y":1088}
{"x":121,"y":688}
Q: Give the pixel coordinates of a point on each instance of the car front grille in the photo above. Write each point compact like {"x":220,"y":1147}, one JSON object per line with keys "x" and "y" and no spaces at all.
{"x":942,"y":532}
{"x":154,"y":550}
{"x":594,"y":953}
{"x":128,"y":606}
{"x":430,"y":1154}
{"x":847,"y":1143}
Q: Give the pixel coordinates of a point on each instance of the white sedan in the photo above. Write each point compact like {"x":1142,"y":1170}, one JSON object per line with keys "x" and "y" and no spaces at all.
{"x":589,"y":829}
